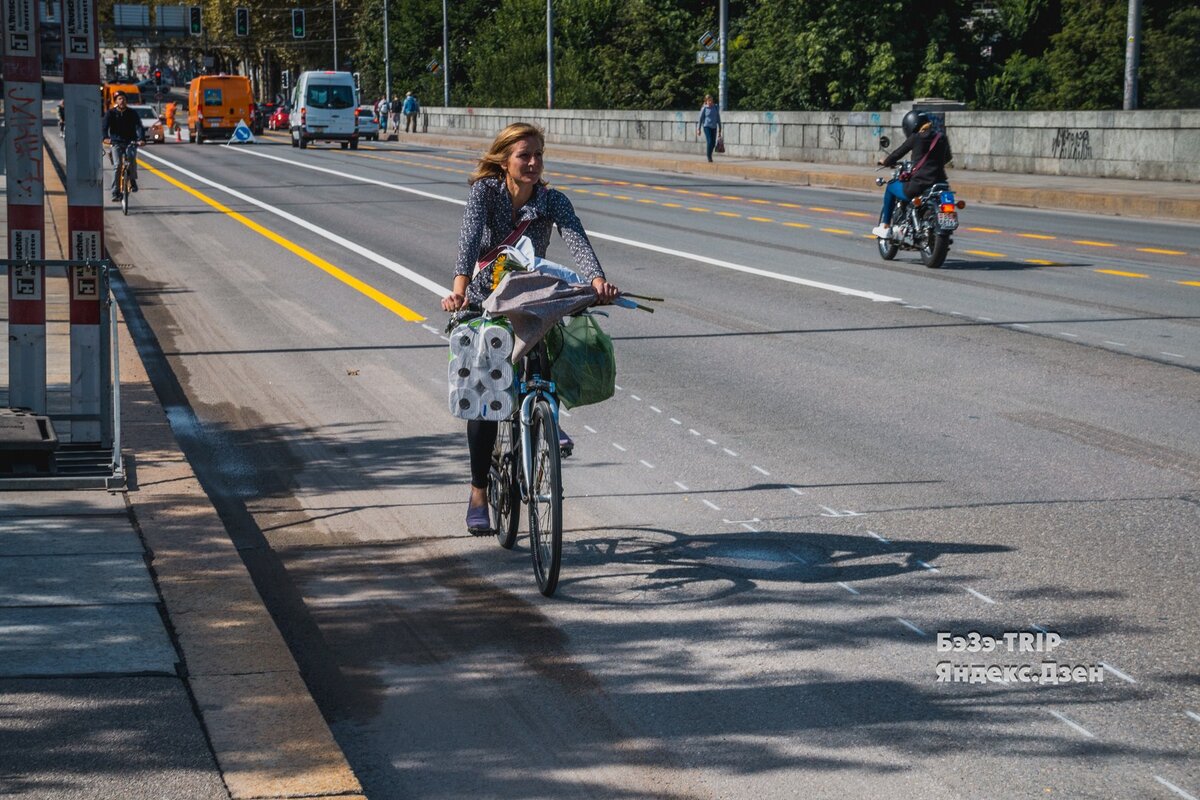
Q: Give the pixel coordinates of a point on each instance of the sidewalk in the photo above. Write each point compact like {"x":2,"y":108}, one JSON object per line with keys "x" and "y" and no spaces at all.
{"x":137,"y":659}
{"x":1113,"y":196}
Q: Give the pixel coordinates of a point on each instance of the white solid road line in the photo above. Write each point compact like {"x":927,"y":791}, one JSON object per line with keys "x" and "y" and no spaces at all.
{"x":716,"y":262}
{"x":353,"y":247}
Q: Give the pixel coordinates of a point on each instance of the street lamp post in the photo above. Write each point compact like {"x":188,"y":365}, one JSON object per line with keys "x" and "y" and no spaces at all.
{"x":335,"y":59}
{"x":387,"y":61}
{"x":549,"y":53}
{"x":445,"y":57}
{"x":722,"y":83}
{"x":1132,"y":48}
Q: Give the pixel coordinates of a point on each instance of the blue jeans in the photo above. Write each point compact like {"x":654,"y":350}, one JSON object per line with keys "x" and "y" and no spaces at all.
{"x":893,"y":192}
{"x":127,"y":152}
{"x":710,"y":137}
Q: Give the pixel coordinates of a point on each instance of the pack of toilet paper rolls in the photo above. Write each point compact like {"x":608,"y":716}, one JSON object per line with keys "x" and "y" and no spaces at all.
{"x":479,"y":374}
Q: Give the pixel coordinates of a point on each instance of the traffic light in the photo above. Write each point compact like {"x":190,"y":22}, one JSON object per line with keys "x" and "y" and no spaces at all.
{"x":158,"y":76}
{"x":195,"y":25}
{"x":297,"y":23}
{"x":242,"y":21}
{"x":285,"y":80}
{"x":357,"y":83}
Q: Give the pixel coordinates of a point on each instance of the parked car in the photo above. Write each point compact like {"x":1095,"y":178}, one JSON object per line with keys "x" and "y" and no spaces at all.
{"x":279,"y":119}
{"x":151,"y":122}
{"x":368,"y":124}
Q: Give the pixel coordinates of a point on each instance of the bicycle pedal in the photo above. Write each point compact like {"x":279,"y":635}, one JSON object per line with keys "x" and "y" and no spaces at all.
{"x":565,"y":451}
{"x":481,"y":531}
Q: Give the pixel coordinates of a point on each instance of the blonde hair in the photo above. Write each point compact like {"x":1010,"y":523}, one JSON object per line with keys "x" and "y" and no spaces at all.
{"x":491,"y":164}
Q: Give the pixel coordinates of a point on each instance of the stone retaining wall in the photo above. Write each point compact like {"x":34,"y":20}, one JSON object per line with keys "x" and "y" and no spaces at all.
{"x":1151,"y":145}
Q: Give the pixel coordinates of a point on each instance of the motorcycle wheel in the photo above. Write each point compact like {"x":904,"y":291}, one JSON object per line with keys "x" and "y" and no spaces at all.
{"x":935,"y":249}
{"x":888,"y":247}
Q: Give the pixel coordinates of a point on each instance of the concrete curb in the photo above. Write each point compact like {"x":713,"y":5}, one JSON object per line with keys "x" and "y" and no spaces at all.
{"x":1106,"y":198}
{"x":266,"y":732}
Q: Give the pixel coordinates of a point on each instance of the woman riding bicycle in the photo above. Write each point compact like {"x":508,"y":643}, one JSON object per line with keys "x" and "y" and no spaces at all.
{"x":507,"y":191}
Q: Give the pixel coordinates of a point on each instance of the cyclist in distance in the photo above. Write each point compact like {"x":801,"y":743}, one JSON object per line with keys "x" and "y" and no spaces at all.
{"x":507,"y":190}
{"x":122,"y":127}
{"x":930,"y":152}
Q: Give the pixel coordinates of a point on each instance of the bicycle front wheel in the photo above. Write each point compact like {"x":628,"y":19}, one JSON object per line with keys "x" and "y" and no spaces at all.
{"x":545,"y":499}
{"x":504,"y":495}
{"x":125,"y":201}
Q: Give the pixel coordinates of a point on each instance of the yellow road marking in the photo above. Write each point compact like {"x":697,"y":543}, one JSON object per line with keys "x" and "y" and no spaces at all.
{"x":621,"y":197}
{"x":856,"y":214}
{"x":705,"y":194}
{"x":1035,"y":236}
{"x":395,"y":307}
{"x":797,"y":225}
{"x":621,"y":183}
{"x":1122,"y":274}
{"x":983,"y":230}
{"x":726,"y":214}
{"x":647,"y":200}
{"x":730,"y":197}
{"x":761,"y":219}
{"x":1161,"y":252}
{"x":788,"y":205}
{"x":1188,"y":283}
{"x":987,"y":253}
{"x":602,"y":194}
{"x":760,"y":202}
{"x":672,"y":205}
{"x":1040,"y":261}
{"x":818,"y":208}
{"x":1088,"y":243}
{"x":698,"y":209}
{"x":641,"y":186}
{"x":837,"y":230}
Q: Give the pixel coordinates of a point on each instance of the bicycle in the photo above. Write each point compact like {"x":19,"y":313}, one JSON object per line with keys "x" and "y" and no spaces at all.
{"x":123,"y":181}
{"x":527,"y":470}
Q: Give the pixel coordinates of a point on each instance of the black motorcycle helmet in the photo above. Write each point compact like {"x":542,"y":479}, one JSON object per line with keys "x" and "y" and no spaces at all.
{"x":913,"y":121}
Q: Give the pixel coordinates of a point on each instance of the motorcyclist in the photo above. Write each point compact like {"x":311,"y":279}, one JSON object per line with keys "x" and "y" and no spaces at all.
{"x":122,"y":126}
{"x":930,"y":149}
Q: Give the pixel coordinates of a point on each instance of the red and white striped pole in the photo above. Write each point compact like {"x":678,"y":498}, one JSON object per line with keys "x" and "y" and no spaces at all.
{"x":26,"y":217}
{"x":85,"y":208}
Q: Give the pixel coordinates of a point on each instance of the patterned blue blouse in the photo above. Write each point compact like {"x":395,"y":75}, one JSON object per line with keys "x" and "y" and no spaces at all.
{"x":487,"y":220}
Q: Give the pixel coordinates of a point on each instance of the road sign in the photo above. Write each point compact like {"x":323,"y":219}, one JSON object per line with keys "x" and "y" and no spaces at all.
{"x":242,"y":133}
{"x":707,"y":40}
{"x":433,"y":65}
{"x":708,"y":57}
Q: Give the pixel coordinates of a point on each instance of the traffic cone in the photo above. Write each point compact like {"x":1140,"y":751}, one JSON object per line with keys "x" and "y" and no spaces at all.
{"x":178,"y":135}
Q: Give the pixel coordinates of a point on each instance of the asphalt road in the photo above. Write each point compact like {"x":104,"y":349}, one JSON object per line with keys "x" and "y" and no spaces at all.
{"x":816,"y":462}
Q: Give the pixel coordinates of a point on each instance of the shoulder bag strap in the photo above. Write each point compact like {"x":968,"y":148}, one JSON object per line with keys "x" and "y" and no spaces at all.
{"x":509,"y":240}
{"x":932,"y":145}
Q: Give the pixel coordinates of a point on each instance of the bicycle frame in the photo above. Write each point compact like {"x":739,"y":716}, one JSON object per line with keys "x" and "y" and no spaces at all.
{"x":541,"y":389}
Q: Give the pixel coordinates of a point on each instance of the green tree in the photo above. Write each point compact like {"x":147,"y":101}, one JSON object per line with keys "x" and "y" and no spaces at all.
{"x":1085,"y":64}
{"x":1171,"y":62}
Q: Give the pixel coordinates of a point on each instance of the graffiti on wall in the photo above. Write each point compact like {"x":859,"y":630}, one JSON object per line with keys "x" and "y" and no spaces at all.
{"x":836,"y":131}
{"x":1071,"y":144}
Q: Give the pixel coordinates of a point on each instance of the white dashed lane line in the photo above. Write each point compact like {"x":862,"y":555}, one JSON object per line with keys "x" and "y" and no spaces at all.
{"x":589,"y":429}
{"x":1193,"y":715}
{"x":757,"y":468}
{"x":1072,"y":723}
{"x":622,"y":449}
{"x":711,"y":505}
{"x":635,"y":397}
{"x":911,"y":627}
{"x":682,"y":487}
{"x":880,"y":538}
{"x":646,"y":464}
{"x":656,"y":409}
{"x":729,"y":452}
{"x":1117,"y":672}
{"x":981,"y":596}
{"x":675,"y":421}
{"x":1174,"y":788}
{"x":848,"y":588}
{"x":929,"y":567}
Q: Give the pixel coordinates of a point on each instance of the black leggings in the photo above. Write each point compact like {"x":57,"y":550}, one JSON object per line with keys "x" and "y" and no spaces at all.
{"x":481,"y":434}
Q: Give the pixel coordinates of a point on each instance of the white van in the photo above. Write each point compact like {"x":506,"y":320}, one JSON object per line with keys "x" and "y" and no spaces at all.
{"x":323,"y":109}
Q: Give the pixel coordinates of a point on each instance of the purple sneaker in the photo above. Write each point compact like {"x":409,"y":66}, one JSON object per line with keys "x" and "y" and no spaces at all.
{"x":479,"y":521}
{"x":566,"y":445}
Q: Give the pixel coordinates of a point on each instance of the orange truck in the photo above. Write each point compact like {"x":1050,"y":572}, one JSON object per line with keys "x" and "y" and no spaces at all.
{"x":109,"y":90}
{"x":216,"y":103}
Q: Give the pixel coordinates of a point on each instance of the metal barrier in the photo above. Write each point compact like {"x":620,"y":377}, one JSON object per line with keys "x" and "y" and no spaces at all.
{"x":94,"y":461}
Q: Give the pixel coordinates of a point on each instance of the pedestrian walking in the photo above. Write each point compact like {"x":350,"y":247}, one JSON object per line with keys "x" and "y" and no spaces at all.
{"x":381,"y":110}
{"x":710,"y":123}
{"x":397,"y":107}
{"x":411,"y":108}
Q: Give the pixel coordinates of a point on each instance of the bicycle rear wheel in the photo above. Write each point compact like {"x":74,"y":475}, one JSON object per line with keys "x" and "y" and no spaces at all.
{"x":504,"y":497}
{"x":545,"y":499}
{"x":125,"y":200}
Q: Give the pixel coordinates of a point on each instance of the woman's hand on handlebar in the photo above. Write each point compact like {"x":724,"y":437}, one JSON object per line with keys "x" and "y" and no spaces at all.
{"x":453,"y":301}
{"x":605,"y":291}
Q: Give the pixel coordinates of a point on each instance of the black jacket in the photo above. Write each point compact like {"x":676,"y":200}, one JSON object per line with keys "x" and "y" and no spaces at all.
{"x":933,"y":170}
{"x":123,"y":126}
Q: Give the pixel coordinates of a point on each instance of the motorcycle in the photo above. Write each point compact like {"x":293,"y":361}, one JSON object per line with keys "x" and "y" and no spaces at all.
{"x":925,"y":223}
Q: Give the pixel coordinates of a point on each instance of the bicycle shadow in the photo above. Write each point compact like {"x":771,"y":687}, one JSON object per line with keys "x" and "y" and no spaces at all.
{"x":712,"y":566}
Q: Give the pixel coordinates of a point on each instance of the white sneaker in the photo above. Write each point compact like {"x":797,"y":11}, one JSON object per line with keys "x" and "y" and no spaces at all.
{"x":882,"y":231}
